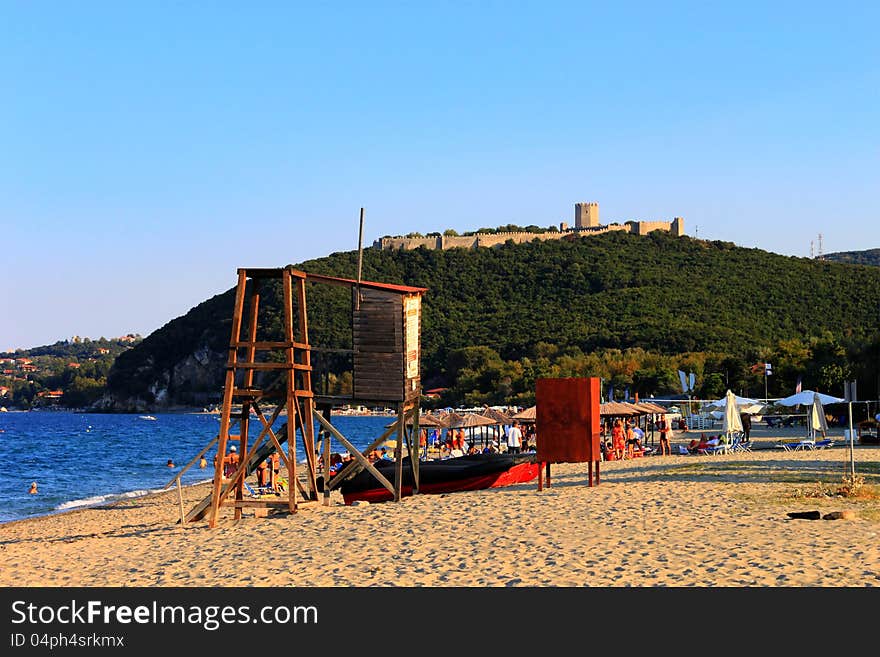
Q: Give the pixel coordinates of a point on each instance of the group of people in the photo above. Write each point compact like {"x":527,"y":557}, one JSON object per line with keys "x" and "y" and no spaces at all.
{"x":268,"y":470}
{"x":515,"y":439}
{"x":703,"y":444}
{"x":627,"y":440}
{"x":269,"y":473}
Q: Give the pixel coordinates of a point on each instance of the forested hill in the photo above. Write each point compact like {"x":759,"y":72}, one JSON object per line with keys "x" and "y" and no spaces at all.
{"x":867,"y":257}
{"x":663,"y":294}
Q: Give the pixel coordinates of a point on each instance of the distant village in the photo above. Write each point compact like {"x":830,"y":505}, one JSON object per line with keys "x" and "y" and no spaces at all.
{"x":586,"y":223}
{"x":16,"y":367}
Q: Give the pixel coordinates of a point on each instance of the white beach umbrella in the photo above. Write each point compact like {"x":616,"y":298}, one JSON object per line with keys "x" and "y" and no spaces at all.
{"x":744,"y":404}
{"x":805,"y":398}
{"x":731,"y":421}
{"x":816,"y":418}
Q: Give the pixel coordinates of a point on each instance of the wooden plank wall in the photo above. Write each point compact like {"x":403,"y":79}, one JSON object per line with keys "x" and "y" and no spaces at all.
{"x":378,"y":343}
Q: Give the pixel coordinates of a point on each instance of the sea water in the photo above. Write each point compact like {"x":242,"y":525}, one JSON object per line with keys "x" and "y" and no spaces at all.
{"x":89,"y":459}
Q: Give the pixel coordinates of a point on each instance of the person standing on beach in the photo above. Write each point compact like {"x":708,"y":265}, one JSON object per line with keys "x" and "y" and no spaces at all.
{"x":746,"y":421}
{"x":618,"y":440}
{"x":275,"y":475}
{"x":514,"y":438}
{"x":230,"y":462}
{"x":663,"y":428}
{"x":423,"y":444}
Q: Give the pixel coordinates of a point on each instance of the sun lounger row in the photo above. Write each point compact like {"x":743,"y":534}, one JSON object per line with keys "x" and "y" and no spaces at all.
{"x":805,"y":444}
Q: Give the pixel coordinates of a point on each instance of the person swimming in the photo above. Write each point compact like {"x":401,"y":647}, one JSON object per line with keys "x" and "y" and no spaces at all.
{"x":33,"y":490}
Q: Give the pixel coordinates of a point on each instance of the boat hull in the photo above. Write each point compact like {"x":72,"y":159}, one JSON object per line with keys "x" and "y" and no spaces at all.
{"x":474,"y":472}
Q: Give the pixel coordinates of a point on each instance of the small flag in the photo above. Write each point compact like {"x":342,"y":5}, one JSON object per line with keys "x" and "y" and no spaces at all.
{"x":768,"y":369}
{"x":683,"y":380}
{"x":759,"y":367}
{"x":798,"y":387}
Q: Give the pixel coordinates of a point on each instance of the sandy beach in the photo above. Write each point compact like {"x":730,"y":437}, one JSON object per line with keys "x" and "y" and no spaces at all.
{"x":682,"y":520}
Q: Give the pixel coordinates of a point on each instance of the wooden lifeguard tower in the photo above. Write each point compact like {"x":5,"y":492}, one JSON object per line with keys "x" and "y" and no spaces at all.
{"x":386,"y":333}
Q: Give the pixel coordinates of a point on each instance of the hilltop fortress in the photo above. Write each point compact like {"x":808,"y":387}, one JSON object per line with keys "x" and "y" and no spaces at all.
{"x":586,"y":222}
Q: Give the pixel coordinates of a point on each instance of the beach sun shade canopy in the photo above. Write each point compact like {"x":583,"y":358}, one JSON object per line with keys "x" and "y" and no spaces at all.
{"x":816,"y":422}
{"x":651,"y":409}
{"x":528,"y":415}
{"x":500,"y":417}
{"x":424,"y":421}
{"x":731,"y":421}
{"x":468,"y":421}
{"x":805,"y":398}
{"x":617,"y":409}
{"x":744,"y":404}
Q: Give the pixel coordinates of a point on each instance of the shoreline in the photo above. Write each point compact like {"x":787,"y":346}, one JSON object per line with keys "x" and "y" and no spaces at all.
{"x":680,"y":520}
{"x":762,"y":439}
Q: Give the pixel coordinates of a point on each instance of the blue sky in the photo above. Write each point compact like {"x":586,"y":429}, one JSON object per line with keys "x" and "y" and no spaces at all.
{"x":149,"y":149}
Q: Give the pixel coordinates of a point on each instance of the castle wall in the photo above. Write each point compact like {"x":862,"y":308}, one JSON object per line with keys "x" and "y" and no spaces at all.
{"x":586,"y":213}
{"x":645,"y":227}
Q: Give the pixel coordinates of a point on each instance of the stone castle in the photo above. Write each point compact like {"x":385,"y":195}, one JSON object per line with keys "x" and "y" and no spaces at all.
{"x":586,"y":222}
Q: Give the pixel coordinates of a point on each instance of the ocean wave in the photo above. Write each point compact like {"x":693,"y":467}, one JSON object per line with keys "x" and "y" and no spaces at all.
{"x":104,"y":499}
{"x":97,"y":500}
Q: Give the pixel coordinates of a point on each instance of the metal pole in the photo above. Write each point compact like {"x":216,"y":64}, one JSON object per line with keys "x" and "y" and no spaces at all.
{"x":357,"y":302}
{"x":852,"y":456}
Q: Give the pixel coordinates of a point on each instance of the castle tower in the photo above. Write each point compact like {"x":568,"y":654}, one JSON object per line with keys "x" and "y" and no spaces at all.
{"x":586,"y":215}
{"x":677,"y":227}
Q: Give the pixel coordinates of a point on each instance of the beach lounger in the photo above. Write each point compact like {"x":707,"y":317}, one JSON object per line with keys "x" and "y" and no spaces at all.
{"x":738,"y":445}
{"x":258,"y":491}
{"x":824,"y":443}
{"x":797,"y":445}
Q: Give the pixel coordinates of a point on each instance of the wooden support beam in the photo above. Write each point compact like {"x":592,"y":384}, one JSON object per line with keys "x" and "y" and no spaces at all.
{"x":398,"y":452}
{"x":290,"y":388}
{"x":308,"y":407}
{"x":246,"y":504}
{"x":248,"y":383}
{"x":264,"y":345}
{"x":228,"y":389}
{"x":270,"y":366}
{"x":415,"y":452}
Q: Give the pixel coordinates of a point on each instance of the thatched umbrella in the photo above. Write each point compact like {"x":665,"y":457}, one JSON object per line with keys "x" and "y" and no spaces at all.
{"x":527,"y":416}
{"x":648,"y":408}
{"x":500,"y":417}
{"x":617,"y":409}
{"x":426,"y":420}
{"x":469,"y":421}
